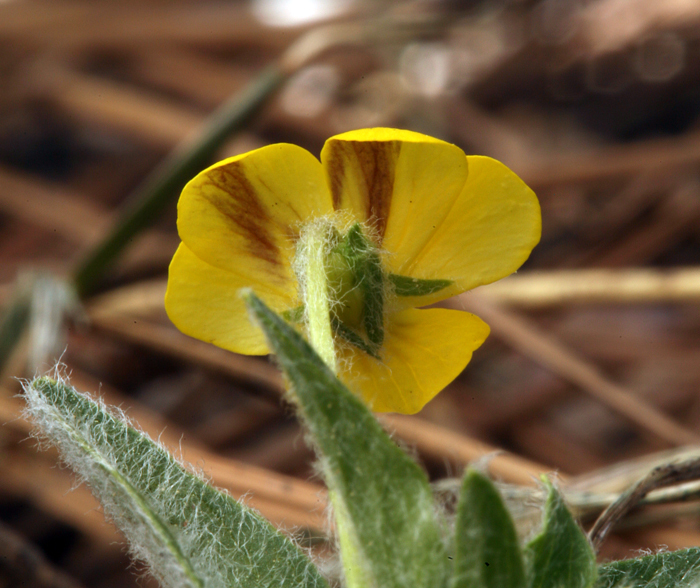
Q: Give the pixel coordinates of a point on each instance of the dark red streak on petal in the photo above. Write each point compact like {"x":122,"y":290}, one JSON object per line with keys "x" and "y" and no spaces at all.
{"x":376,"y":162}
{"x":336,"y":173}
{"x":247,"y":216}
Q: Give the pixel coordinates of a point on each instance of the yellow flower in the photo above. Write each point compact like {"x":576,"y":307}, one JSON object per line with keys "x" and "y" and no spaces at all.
{"x":433,"y":221}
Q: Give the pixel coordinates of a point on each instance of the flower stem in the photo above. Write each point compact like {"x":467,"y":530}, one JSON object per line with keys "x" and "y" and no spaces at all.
{"x":316,"y":293}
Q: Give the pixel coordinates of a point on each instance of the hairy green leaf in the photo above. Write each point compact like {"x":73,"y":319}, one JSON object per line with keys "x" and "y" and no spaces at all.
{"x":677,"y":569}
{"x":560,"y":556}
{"x":487,"y":551}
{"x":189,"y":533}
{"x":383,"y":503}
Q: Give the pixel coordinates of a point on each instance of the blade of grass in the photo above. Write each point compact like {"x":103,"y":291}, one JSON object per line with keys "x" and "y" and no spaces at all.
{"x":167,"y":180}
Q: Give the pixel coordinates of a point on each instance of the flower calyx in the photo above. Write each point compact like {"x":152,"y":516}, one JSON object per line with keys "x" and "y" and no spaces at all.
{"x":356,"y":285}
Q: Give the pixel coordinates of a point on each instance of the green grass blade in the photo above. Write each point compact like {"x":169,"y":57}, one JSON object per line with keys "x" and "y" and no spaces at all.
{"x":388,"y":534}
{"x":189,"y":533}
{"x":165,"y":183}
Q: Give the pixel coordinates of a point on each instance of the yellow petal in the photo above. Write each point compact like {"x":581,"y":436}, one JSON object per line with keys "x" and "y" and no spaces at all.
{"x":401,"y":183}
{"x":424,"y":351}
{"x":490,"y":231}
{"x":244,"y":213}
{"x":203,"y":302}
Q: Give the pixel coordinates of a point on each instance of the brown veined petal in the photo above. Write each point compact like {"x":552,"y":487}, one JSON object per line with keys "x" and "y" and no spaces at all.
{"x":401,"y":183}
{"x":203,"y":302}
{"x":490,"y":231}
{"x":248,"y":210}
{"x":424,"y":350}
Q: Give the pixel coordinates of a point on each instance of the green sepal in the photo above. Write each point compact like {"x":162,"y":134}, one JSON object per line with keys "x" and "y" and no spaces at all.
{"x":190,"y":534}
{"x":676,"y":569}
{"x":382,"y":499}
{"x":406,"y":286}
{"x":560,"y":555}
{"x":294,"y":315}
{"x":487,"y":550}
{"x":369,"y":277}
{"x":353,"y":338}
{"x":365,"y":266}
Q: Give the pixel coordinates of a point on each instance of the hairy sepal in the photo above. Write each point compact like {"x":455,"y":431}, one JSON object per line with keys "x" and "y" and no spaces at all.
{"x":382,"y":499}
{"x":189,"y":533}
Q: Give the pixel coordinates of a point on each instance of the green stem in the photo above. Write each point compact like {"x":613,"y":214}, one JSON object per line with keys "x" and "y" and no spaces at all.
{"x":316,"y":303}
{"x":355,"y":569}
{"x":167,"y":180}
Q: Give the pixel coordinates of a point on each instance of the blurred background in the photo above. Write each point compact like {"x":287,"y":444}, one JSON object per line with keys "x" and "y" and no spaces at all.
{"x":594,"y":357}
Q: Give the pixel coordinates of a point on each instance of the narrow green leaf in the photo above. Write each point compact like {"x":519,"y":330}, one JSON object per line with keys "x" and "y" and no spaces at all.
{"x":487,"y":551}
{"x":406,"y":286}
{"x":382,"y":499}
{"x":676,"y":569}
{"x":189,"y":533}
{"x":560,"y":556}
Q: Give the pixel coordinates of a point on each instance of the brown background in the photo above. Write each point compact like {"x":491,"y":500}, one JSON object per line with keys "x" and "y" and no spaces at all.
{"x":594,"y":103}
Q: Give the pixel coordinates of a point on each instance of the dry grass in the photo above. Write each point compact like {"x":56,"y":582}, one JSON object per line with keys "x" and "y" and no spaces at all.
{"x":595,"y":352}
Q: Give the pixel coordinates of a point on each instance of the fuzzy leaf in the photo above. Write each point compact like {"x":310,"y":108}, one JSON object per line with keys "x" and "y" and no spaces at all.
{"x":560,"y":556}
{"x":189,"y":533}
{"x":382,"y":500}
{"x":677,"y":569}
{"x":487,"y":551}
